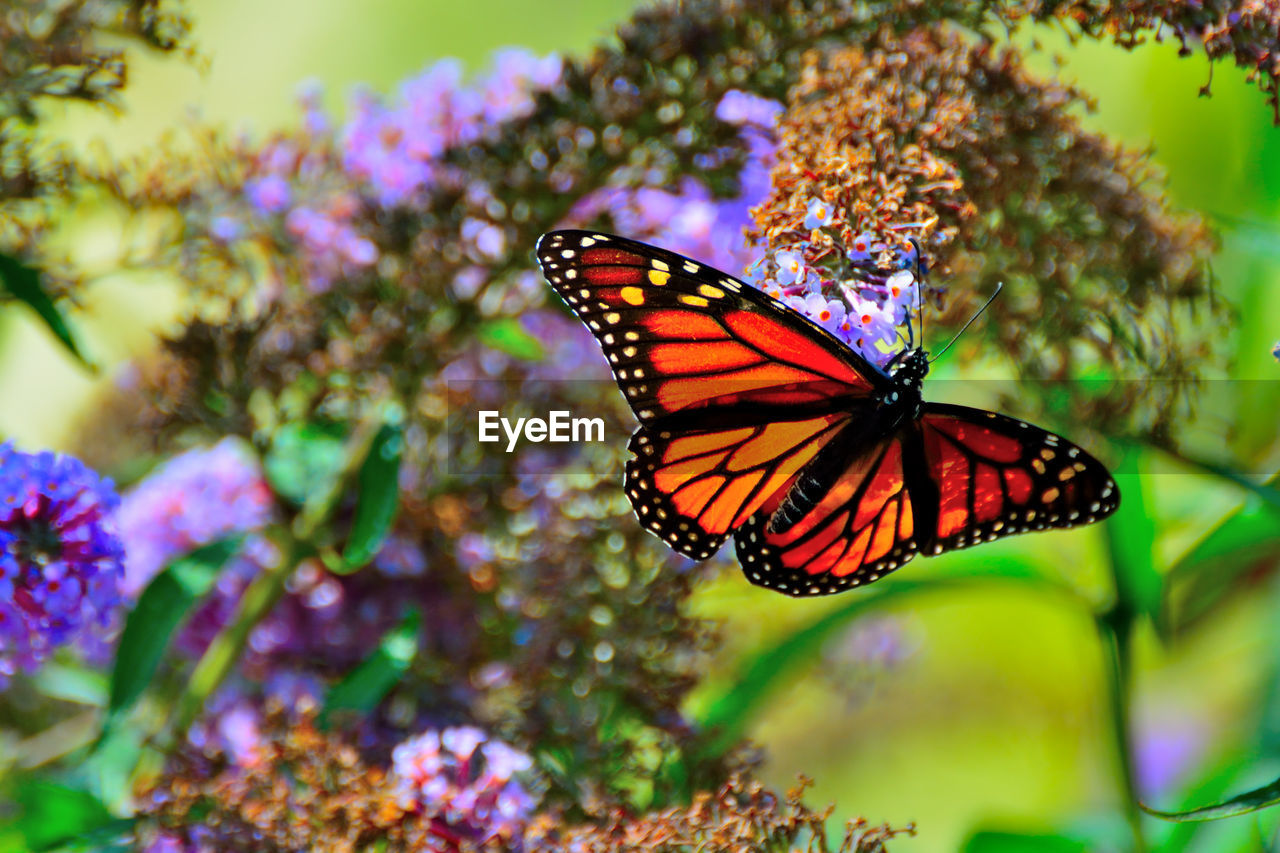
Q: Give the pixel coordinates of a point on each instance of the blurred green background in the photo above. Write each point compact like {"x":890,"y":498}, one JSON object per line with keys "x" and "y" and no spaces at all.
{"x":954,"y":710}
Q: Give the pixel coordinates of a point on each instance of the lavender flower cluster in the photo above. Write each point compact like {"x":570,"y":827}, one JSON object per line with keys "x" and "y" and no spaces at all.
{"x":390,"y":153}
{"x":852,"y":296}
{"x":60,"y":557}
{"x":465,"y":778}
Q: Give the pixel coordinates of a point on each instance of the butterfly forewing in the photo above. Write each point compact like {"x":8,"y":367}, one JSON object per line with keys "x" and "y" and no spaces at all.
{"x":681,"y":336}
{"x":694,"y":488}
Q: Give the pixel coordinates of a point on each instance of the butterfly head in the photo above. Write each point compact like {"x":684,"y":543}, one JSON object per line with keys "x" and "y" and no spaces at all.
{"x":909,"y":368}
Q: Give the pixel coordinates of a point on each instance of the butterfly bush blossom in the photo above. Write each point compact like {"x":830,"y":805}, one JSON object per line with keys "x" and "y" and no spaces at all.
{"x":205,"y":494}
{"x":191,"y":500}
{"x":464,"y":777}
{"x":60,"y":557}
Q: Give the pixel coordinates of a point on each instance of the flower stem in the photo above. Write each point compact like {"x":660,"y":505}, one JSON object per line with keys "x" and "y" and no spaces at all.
{"x":1116,"y":629}
{"x":296,"y":543}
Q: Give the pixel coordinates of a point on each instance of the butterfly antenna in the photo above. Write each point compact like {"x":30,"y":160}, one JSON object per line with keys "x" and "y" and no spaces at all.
{"x":985,"y":305}
{"x":919,"y":293}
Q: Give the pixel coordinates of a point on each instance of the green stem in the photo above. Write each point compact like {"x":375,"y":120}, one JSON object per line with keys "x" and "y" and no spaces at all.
{"x":1116,"y":628}
{"x":267,"y":588}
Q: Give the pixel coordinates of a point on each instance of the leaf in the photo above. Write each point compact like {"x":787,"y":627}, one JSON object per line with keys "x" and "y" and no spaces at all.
{"x":304,"y":460}
{"x":1250,"y":801}
{"x":367,"y":684}
{"x":1267,"y":491}
{"x":1131,"y":537}
{"x":24,"y":283}
{"x":990,"y":841}
{"x":1224,"y":560}
{"x":379,"y":498}
{"x":727,"y":717}
{"x":161,"y":607}
{"x":507,"y":335}
{"x":54,"y":814}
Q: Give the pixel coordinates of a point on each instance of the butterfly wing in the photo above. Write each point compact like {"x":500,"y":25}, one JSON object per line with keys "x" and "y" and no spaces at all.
{"x":955,"y":477}
{"x":693,"y":488}
{"x":994,"y":476}
{"x":682,"y":337}
{"x":860,"y":528}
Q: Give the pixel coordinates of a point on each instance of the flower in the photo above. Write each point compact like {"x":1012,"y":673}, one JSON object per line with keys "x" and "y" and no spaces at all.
{"x":744,"y":108}
{"x":61,"y":562}
{"x":192,"y":500}
{"x":439,"y":774}
{"x":817,"y":214}
{"x":902,"y":292}
{"x":269,"y":194}
{"x":790,"y":266}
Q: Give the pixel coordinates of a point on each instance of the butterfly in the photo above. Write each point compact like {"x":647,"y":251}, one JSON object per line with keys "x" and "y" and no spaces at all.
{"x":828,"y":471}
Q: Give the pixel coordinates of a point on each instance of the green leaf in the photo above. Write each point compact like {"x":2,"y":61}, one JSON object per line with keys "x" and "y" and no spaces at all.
{"x":1267,"y":490}
{"x":989,"y":841}
{"x":1250,"y":801}
{"x":1131,"y":537}
{"x":1224,"y":560}
{"x":304,"y":460}
{"x":24,"y":283}
{"x":507,"y":335}
{"x":727,"y":717}
{"x":161,"y":607}
{"x":379,"y":498}
{"x":54,"y":814}
{"x":367,"y":684}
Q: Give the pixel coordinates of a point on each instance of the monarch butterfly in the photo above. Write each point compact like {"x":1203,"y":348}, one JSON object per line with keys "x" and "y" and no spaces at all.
{"x":828,"y":471}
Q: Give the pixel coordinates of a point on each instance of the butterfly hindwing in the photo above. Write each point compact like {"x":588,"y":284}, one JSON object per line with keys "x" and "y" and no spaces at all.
{"x":956,"y":477}
{"x":681,"y":336}
{"x":862,"y":528}
{"x":996,"y":476}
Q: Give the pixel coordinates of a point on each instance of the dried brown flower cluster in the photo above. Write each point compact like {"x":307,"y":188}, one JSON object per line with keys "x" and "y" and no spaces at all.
{"x":933,"y":135}
{"x":740,"y":817}
{"x":1248,"y":30}
{"x":307,"y":789}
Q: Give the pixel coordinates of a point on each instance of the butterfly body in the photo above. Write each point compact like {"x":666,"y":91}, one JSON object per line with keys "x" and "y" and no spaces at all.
{"x":828,"y":471}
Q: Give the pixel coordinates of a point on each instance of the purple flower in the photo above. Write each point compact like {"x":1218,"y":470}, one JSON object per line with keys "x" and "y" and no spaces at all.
{"x":1167,"y":748}
{"x":60,"y":558}
{"x":441,"y":774}
{"x":790,"y":266}
{"x":863,"y":248}
{"x":507,"y":92}
{"x":866,"y":326}
{"x":189,"y":501}
{"x":902,"y":292}
{"x":738,"y":107}
{"x":269,"y":194}
{"x":1275,"y":351}
{"x":817,"y":215}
